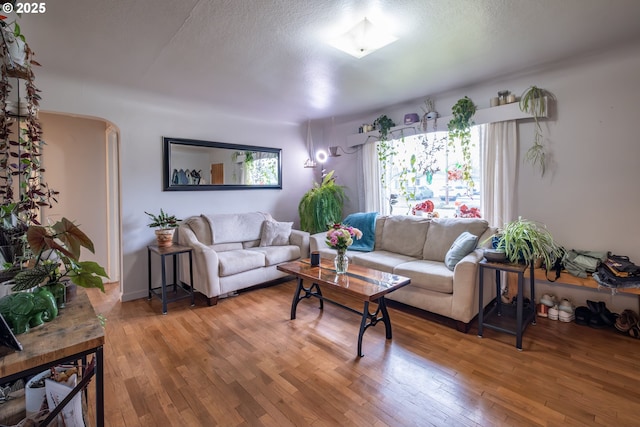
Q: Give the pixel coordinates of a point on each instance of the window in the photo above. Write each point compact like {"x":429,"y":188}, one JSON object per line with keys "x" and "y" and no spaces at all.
{"x":424,"y":167}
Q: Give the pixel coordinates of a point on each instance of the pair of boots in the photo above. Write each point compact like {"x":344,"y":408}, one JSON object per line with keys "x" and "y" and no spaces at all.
{"x":596,"y":315}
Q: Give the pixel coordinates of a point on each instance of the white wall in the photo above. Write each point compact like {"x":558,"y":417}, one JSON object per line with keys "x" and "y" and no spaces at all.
{"x":143,"y":119}
{"x":589,"y":198}
{"x":75,"y":161}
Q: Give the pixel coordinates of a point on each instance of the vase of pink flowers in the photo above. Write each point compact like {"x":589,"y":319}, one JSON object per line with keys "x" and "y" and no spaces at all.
{"x":340,"y":237}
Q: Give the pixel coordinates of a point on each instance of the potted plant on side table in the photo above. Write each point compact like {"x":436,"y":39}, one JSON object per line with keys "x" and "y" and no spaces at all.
{"x":165,"y":226}
{"x":524,"y":241}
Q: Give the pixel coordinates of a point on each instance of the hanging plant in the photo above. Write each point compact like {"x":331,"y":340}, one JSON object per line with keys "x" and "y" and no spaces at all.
{"x":533,"y":102}
{"x":428,"y":161}
{"x":460,"y":130}
{"x":385,"y":148}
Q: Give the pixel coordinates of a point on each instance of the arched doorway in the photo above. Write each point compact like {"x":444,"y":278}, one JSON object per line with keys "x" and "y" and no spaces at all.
{"x":81,"y":158}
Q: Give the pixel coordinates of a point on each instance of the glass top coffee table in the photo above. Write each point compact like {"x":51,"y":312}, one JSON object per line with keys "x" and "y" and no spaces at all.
{"x":366,"y":284}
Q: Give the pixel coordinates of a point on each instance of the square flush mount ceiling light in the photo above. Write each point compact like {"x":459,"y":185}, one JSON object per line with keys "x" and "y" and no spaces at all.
{"x":362,"y":39}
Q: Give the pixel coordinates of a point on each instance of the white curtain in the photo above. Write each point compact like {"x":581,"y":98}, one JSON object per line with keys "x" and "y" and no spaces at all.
{"x":373,"y":200}
{"x":498,"y":165}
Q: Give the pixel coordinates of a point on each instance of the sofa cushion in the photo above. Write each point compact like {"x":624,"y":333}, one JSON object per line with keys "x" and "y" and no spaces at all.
{"x":201,"y":229}
{"x":444,"y":231}
{"x":278,"y":254}
{"x":461,"y":247}
{"x":234,"y":262}
{"x":430,"y":275}
{"x":365,"y":222}
{"x":241,"y":227}
{"x":224,"y":247}
{"x":275,"y":233}
{"x":406,"y":235}
{"x":379,"y":260}
{"x":379,"y":227}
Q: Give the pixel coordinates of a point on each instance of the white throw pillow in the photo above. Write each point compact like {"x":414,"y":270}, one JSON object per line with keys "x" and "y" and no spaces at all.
{"x":275,"y":233}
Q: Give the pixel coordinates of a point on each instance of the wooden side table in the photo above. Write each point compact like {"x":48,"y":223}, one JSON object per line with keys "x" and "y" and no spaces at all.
{"x":181,"y":290}
{"x":502,"y":317}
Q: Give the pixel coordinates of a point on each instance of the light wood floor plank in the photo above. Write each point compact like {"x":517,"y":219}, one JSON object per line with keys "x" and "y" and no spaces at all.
{"x":245,"y":363}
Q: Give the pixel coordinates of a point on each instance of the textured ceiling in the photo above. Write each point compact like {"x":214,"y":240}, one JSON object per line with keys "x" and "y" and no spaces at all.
{"x":269,"y":57}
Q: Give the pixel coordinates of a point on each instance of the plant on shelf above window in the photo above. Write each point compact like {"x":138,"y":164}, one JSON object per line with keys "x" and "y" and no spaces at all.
{"x":384,"y":147}
{"x":533,"y":102}
{"x":460,"y":131}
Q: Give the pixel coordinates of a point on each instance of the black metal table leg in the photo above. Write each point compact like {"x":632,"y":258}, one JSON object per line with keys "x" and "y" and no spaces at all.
{"x":296,"y":299}
{"x":99,"y":387}
{"x":382,"y":306}
{"x":363,"y":327}
{"x":175,"y":273}
{"x":481,"y":298}
{"x":533,"y":292}
{"x":164,"y":285}
{"x":519,"y":303}
{"x":149,"y":269}
{"x":193,"y":290}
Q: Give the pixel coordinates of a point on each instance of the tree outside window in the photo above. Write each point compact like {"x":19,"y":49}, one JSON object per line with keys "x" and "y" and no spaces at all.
{"x":424,"y":167}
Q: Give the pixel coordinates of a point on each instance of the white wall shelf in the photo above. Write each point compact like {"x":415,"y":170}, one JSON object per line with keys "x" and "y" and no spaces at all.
{"x":500,"y":113}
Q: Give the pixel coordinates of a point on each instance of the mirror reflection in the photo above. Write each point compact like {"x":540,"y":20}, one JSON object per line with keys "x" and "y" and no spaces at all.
{"x":207,"y":165}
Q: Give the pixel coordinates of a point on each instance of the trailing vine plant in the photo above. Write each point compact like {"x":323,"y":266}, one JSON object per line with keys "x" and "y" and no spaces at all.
{"x":428,"y":162}
{"x":385,"y":148}
{"x":532,"y":101}
{"x":460,"y":130}
{"x":23,"y":190}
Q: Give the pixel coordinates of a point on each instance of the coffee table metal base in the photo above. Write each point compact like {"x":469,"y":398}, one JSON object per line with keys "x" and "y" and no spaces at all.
{"x":368,"y":319}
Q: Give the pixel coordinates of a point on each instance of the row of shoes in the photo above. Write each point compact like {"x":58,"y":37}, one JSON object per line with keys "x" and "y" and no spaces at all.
{"x":629,"y":322}
{"x":595,"y":314}
{"x":549,"y":307}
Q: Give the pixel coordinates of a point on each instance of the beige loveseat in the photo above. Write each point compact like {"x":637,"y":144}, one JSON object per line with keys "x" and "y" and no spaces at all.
{"x":237,"y":251}
{"x":416,"y":247}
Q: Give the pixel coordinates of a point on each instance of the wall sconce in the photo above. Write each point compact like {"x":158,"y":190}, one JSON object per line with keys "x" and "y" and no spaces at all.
{"x":333,"y":150}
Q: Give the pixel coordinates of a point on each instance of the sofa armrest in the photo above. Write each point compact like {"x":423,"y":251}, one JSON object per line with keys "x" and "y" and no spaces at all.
{"x":300,"y":238}
{"x":317,"y":241}
{"x":465,"y":287}
{"x":205,"y":264}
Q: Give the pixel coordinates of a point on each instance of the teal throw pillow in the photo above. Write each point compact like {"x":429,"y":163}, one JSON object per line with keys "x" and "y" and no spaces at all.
{"x":461,"y":247}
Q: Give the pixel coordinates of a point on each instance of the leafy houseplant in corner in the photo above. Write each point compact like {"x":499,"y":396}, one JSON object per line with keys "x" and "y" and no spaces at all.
{"x":460,"y":130}
{"x":524,"y":241}
{"x":56,"y":250}
{"x":533,"y":102}
{"x":165,"y":226}
{"x":321,"y":206}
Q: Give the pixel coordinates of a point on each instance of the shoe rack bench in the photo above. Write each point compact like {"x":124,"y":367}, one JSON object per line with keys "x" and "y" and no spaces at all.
{"x":568,"y":279}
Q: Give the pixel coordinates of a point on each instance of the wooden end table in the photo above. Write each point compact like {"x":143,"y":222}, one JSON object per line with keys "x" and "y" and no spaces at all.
{"x":366,"y":284}
{"x":183,"y":290}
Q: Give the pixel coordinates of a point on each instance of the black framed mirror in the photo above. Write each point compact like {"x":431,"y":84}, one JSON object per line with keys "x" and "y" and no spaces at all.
{"x":193,"y":165}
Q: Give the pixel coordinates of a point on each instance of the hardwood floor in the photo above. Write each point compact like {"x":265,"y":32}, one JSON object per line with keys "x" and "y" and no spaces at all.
{"x":244,"y":363}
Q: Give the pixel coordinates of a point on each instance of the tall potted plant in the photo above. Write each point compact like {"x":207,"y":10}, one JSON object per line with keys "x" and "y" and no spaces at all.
{"x":321,"y":206}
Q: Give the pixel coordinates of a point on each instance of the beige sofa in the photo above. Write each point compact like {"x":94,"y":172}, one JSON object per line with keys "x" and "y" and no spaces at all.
{"x":416,"y":247}
{"x":237,"y":251}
